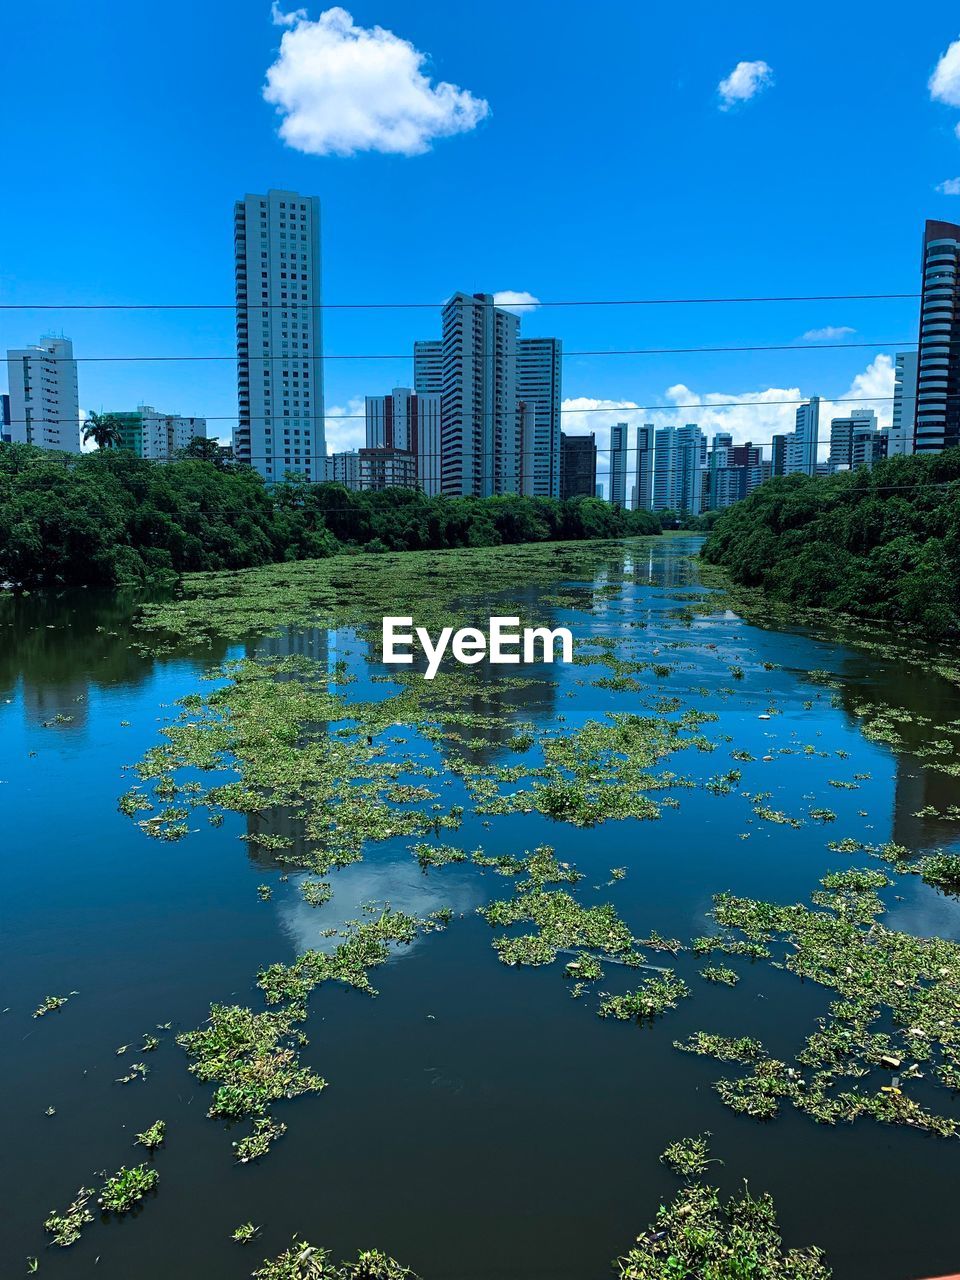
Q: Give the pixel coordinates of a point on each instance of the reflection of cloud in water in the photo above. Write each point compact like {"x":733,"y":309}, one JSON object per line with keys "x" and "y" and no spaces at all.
{"x":925,"y":913}
{"x":399,"y":882}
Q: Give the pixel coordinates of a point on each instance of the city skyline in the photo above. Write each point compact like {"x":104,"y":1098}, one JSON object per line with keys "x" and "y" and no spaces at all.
{"x":388,"y":234}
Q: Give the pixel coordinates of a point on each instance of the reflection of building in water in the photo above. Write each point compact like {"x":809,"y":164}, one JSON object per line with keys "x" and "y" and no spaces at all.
{"x":66,"y":697}
{"x":273,"y":822}
{"x":929,"y":702}
{"x":316,"y":643}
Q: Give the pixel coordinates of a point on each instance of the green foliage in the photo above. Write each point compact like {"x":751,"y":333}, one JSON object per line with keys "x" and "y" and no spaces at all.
{"x":66,"y":1227}
{"x":127,"y":1187}
{"x":881,"y":543}
{"x":106,"y":518}
{"x":153,"y":1136}
{"x":698,"y":1236}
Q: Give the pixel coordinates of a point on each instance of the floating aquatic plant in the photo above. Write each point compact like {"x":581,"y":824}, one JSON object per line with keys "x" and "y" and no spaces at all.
{"x":66,"y":1227}
{"x":127,"y":1187}
{"x":153,"y":1136}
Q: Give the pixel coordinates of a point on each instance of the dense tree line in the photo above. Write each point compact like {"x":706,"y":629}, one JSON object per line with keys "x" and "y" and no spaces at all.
{"x":107,"y":518}
{"x":881,"y":543}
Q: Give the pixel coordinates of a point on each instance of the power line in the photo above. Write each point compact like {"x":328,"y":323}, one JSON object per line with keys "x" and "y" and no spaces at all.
{"x":436,"y":306}
{"x":625,"y":408}
{"x":305,"y":357}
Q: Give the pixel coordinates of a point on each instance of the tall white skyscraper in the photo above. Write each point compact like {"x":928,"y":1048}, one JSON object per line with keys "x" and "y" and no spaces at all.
{"x":643,"y":483}
{"x":678,"y":467}
{"x":619,"y":463}
{"x":279,"y":335}
{"x":900,"y":439}
{"x":44,"y":403}
{"x":803,"y":440}
{"x":403,"y":429}
{"x":539,"y":362}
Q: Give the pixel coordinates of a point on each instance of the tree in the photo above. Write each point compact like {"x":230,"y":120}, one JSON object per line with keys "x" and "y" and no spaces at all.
{"x":203,"y":449}
{"x":104,"y":429}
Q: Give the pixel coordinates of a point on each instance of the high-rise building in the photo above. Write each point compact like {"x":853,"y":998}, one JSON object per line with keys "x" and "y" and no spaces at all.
{"x":150,"y":434}
{"x":643,"y":483}
{"x":678,"y":468}
{"x":854,"y":440}
{"x":403,"y":423}
{"x":778,"y":464}
{"x":479,"y":421}
{"x":900,"y":439}
{"x":938,"y":358}
{"x":619,"y":463}
{"x":428,"y":367}
{"x":539,"y":363}
{"x":279,"y":335}
{"x":44,"y":402}
{"x":4,"y":417}
{"x":499,"y":401}
{"x":802,"y":442}
{"x":578,"y":465}
{"x":342,"y":468}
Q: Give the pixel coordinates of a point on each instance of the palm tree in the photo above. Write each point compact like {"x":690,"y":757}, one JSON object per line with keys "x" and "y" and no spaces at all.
{"x":104,"y":429}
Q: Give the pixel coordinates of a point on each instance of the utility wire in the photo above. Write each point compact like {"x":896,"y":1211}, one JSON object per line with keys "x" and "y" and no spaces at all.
{"x":632,"y":408}
{"x":305,"y":357}
{"x":437,"y":306}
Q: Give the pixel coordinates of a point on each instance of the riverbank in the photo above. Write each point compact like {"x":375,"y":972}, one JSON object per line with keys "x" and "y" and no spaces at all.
{"x":882,"y":543}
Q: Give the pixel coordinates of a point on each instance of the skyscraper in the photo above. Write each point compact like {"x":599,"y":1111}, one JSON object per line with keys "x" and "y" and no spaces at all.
{"x":539,"y":362}
{"x":854,"y":440}
{"x":403,"y":431}
{"x":678,"y":466}
{"x":900,"y":440}
{"x":802,"y":442}
{"x":938,"y":358}
{"x":479,"y":420}
{"x":578,"y":465}
{"x":428,"y":366}
{"x":44,"y":402}
{"x":643,"y":472}
{"x":279,"y":335}
{"x":499,"y":401}
{"x":619,"y":463}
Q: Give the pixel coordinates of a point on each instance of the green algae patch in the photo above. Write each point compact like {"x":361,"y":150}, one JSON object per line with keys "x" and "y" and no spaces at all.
{"x":65,"y":1228}
{"x":253,"y":1060}
{"x":653,"y":998}
{"x":124,"y":1190}
{"x":302,"y":1261}
{"x":697,"y":1234}
{"x":896,"y":1008}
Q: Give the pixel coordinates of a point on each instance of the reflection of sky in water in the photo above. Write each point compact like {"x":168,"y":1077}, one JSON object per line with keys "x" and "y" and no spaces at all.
{"x":398,"y":882}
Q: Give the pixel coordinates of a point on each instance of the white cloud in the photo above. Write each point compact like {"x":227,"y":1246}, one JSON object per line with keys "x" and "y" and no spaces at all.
{"x":735,"y":412}
{"x":952,"y":185}
{"x":516,"y":300}
{"x":829,"y":333}
{"x":743,"y":83}
{"x":345,"y":426}
{"x":340,"y":88}
{"x":944,"y":84}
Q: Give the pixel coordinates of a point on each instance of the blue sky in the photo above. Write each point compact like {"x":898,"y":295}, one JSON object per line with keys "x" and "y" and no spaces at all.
{"x":589,"y":154}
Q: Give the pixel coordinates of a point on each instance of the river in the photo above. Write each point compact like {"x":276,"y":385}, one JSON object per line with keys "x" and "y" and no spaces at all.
{"x":478,"y":1122}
